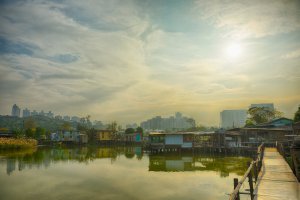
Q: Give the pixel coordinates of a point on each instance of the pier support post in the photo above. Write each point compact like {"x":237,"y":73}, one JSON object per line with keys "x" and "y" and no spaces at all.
{"x":251,"y":182}
{"x":235,"y":183}
{"x":255,"y":171}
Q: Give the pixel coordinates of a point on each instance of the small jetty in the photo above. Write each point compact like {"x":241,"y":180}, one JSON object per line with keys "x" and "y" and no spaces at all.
{"x":276,"y":180}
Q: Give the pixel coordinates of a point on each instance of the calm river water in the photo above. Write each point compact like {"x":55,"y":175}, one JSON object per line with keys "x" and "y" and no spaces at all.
{"x":116,"y":173}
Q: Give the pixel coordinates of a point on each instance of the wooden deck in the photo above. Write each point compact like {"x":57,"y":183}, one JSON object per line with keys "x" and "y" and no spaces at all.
{"x":276,"y":181}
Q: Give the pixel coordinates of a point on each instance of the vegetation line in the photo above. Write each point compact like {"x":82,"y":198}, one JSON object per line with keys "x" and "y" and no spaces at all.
{"x":17,"y":143}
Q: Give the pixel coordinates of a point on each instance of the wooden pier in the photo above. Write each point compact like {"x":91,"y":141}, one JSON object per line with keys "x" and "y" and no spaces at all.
{"x":276,"y":180}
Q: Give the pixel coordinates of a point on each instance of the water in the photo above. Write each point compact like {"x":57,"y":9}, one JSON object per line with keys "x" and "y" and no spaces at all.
{"x":115,"y":173}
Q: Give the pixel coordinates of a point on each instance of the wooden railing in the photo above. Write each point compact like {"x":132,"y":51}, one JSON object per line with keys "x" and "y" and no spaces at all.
{"x":291,"y":153}
{"x":253,"y":170}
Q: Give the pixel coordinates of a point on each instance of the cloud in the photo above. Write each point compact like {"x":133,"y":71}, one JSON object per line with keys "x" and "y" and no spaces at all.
{"x":251,"y":19}
{"x":118,"y":60}
{"x":292,"y":55}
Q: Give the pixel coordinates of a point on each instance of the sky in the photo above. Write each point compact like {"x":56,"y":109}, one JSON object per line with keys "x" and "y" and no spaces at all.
{"x":130,"y":60}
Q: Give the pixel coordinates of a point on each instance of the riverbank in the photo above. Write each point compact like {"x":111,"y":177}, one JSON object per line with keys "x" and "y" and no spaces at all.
{"x":14,"y":143}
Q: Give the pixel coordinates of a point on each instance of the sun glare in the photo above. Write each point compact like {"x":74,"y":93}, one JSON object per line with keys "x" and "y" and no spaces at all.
{"x":233,"y":50}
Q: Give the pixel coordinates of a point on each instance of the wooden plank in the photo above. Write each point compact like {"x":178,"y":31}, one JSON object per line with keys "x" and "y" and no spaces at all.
{"x":276,"y":180}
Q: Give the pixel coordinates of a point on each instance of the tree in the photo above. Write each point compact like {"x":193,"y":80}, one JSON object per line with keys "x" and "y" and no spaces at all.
{"x":112,"y":126}
{"x":29,"y":123}
{"x":129,"y":131}
{"x":297,"y":115}
{"x":30,"y":132}
{"x":40,"y":133}
{"x":260,"y":115}
{"x":249,"y":123}
{"x":88,"y":121}
{"x":66,"y":126}
{"x":139,"y":130}
{"x":119,"y":128}
{"x":19,"y":133}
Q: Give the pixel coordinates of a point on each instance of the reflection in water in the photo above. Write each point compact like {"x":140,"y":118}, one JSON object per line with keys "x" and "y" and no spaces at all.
{"x":45,"y":156}
{"x":115,"y":173}
{"x":224,"y":165}
{"x":169,"y":163}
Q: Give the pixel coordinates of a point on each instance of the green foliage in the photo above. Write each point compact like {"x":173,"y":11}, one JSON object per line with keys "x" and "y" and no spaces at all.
{"x":30,"y":133}
{"x":129,"y":131}
{"x":297,"y":115}
{"x":50,"y":124}
{"x":139,"y":130}
{"x":113,"y":126}
{"x":19,"y":133}
{"x":260,"y":115}
{"x":40,"y":133}
{"x":90,"y":132}
{"x":66,"y":126}
{"x":249,"y":123}
{"x":29,"y":123}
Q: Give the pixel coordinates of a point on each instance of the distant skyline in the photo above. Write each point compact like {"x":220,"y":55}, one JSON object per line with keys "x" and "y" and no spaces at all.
{"x":130,"y":60}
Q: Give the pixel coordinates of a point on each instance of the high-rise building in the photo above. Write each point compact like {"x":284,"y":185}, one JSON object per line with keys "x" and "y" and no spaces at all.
{"x":177,"y":122}
{"x":263,"y":105}
{"x":42,"y":113}
{"x":26,"y":112}
{"x":49,"y":114}
{"x":233,"y":118}
{"x":15,"y":111}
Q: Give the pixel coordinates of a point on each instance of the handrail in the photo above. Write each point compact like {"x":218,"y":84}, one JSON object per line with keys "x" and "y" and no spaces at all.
{"x":254,"y":165}
{"x":240,"y":183}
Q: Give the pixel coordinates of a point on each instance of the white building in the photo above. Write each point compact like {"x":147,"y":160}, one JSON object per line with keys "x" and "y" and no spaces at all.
{"x":233,"y":118}
{"x":26,"y":112}
{"x":50,"y":114}
{"x":15,"y":111}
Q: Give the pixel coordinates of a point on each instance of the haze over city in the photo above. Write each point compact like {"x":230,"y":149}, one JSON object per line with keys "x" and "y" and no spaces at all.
{"x":131,"y":60}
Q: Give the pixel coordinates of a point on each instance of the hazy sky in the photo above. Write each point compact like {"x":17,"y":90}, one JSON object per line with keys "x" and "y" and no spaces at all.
{"x":131,"y":60}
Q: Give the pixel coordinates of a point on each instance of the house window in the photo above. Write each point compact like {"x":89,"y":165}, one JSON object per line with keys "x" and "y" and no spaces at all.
{"x":102,"y":135}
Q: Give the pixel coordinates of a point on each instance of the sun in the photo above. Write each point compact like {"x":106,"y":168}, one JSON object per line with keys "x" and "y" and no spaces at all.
{"x":233,"y":51}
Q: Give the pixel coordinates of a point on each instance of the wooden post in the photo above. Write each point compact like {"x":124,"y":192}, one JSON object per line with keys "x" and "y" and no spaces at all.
{"x":255,"y":172}
{"x":250,"y":182}
{"x":235,"y":183}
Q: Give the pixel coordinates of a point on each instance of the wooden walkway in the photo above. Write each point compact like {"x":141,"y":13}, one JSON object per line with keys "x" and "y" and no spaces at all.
{"x":276,"y":181}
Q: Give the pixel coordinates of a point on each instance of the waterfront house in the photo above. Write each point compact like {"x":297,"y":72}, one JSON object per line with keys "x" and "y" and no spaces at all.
{"x":270,"y":136}
{"x":206,"y":139}
{"x":271,"y":132}
{"x":280,"y":122}
{"x":175,"y":140}
{"x":6,"y":133}
{"x":56,"y":137}
{"x":132,"y":138}
{"x":296,"y":128}
{"x":69,"y":137}
{"x":104,"y":136}
{"x":233,"y":138}
{"x":82,"y":138}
